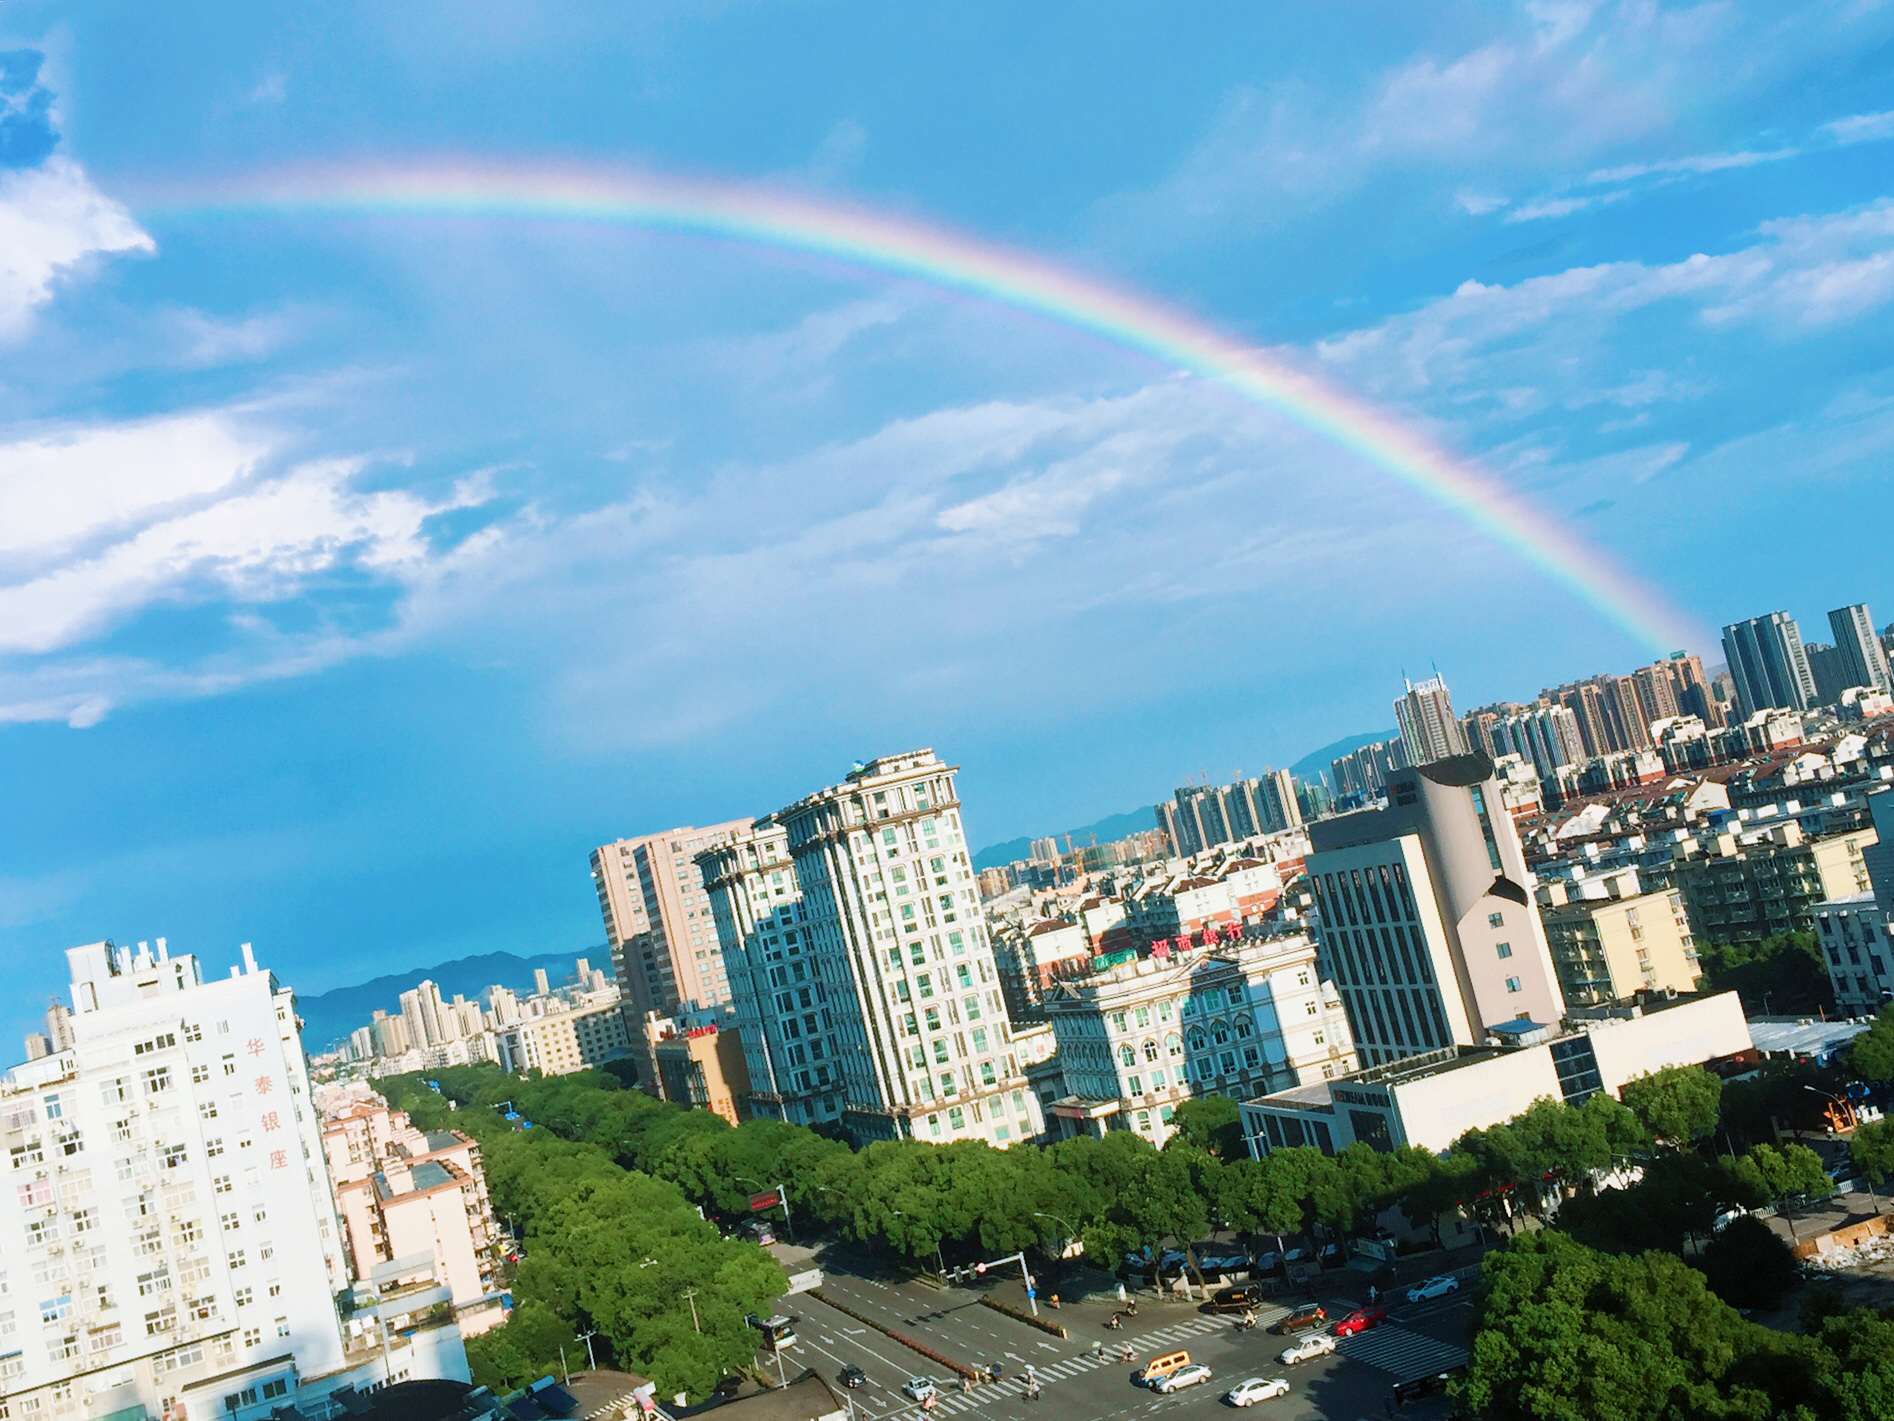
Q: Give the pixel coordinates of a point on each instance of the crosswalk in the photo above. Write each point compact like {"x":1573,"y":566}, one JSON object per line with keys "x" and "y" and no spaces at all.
{"x":1144,"y":1344}
{"x":1404,"y":1353}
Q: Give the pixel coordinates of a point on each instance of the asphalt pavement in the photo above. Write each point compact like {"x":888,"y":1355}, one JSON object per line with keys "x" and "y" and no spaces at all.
{"x":1419,"y":1339}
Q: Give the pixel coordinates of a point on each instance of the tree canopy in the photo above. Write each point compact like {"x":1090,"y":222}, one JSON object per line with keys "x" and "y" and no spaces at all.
{"x":1679,"y":1104}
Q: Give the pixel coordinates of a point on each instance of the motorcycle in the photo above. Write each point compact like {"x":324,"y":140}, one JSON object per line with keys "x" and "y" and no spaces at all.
{"x":1127,"y":1355}
{"x":1246,"y":1324}
{"x":1114,"y":1322}
{"x":1131,"y":1308}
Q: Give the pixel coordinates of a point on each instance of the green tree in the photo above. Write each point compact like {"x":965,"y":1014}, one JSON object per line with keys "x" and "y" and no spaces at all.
{"x":1871,"y":1056}
{"x":522,"y":1349}
{"x":1748,"y":1264}
{"x":1679,"y":1105}
{"x":1872,"y":1150}
{"x":1564,"y":1333}
{"x":1211,"y":1123}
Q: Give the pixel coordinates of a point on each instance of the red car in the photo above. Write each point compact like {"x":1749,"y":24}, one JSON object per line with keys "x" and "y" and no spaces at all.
{"x":1360,"y":1320}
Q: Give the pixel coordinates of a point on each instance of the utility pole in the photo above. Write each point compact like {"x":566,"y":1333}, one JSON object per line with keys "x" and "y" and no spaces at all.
{"x":591,"y":1359}
{"x":690,"y":1296}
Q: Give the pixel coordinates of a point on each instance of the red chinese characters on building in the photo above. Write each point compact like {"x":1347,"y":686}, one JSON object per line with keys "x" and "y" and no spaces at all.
{"x":264,"y":1085}
{"x":279,"y":1159}
{"x":270,"y":1121}
{"x":254,"y":1046}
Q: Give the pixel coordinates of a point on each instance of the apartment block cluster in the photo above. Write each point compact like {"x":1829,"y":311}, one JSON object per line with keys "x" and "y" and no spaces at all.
{"x":1518,"y":892}
{"x":553,"y":1030}
{"x":171,"y":1238}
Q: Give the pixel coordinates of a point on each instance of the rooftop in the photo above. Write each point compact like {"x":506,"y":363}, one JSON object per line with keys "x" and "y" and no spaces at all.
{"x":1802,"y":1036}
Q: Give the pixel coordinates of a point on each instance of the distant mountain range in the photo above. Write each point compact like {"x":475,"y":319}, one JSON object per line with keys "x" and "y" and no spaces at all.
{"x":1112,"y":826}
{"x":1118,"y":826}
{"x":332,"y":1015}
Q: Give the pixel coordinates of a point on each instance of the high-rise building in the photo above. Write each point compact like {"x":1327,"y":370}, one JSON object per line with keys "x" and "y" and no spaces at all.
{"x":1547,"y":736}
{"x":1768,"y":664}
{"x":172,"y":1242}
{"x":1863,"y":660}
{"x":1199,"y":817}
{"x":658,"y":921}
{"x":425,"y":1016}
{"x":885,"y":986}
{"x":1429,"y":730}
{"x":1829,"y":670}
{"x":1428,"y":925}
{"x":1362,"y":773}
{"x":783,"y":1015}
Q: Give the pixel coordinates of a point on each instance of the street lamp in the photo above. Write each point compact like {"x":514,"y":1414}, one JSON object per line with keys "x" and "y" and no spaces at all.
{"x":591,"y":1360}
{"x":1070,"y":1232}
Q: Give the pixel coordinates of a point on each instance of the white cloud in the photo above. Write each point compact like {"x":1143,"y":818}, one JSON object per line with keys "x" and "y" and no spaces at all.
{"x":1562,"y":206}
{"x":62,"y":485}
{"x":1861,"y":128}
{"x":51,"y":220}
{"x":1478,"y":204}
{"x":1690,"y":164}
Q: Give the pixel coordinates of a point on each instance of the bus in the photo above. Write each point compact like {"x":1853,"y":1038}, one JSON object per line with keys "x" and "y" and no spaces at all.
{"x":778,"y":1331}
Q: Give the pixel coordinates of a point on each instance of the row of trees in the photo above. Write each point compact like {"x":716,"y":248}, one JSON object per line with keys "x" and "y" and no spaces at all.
{"x":605,"y":1249}
{"x":1119,"y":1195}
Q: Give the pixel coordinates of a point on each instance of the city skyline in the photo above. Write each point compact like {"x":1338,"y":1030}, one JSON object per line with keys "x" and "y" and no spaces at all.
{"x":408,"y":554}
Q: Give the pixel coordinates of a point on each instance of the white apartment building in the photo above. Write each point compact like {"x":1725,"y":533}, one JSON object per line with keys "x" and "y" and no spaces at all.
{"x":169,"y":1243}
{"x":912,"y":1032}
{"x":1238,"y":1019}
{"x":783,"y":1015}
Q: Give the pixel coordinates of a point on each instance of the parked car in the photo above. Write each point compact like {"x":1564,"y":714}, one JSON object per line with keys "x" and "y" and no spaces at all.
{"x":1248,"y":1393}
{"x":1195,"y":1373}
{"x":919,"y":1389}
{"x":1300,"y":1318}
{"x":1360,"y":1320}
{"x":1222,"y":1258}
{"x":1438,"y":1286}
{"x":852,"y":1376}
{"x":1238,"y":1297}
{"x":1316,"y":1344}
{"x":1420,"y":1388}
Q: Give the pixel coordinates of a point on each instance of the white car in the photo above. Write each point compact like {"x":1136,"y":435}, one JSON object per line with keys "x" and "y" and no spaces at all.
{"x":1248,"y":1393}
{"x":919,"y":1389}
{"x":1433,"y":1288}
{"x":1184,"y":1376}
{"x":1316,"y":1344}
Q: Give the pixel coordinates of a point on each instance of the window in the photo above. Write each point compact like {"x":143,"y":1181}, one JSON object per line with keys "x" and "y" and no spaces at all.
{"x":1512,"y":984}
{"x":1134,"y":1085}
{"x":1150,"y":1050}
{"x":1496,"y":920}
{"x":157,"y":1079}
{"x":1504,"y":949}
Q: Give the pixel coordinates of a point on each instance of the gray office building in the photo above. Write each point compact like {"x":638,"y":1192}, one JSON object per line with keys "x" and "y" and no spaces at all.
{"x":1768,"y":664}
{"x":1427,"y":920}
{"x":1858,"y":649}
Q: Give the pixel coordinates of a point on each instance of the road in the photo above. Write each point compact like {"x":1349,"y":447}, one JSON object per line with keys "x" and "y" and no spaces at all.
{"x":1419,"y":1338}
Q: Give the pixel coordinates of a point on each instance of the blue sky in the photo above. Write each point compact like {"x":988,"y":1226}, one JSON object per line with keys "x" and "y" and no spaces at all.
{"x":358,"y":575}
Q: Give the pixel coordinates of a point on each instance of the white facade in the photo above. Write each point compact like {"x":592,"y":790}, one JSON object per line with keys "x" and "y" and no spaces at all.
{"x":1430,"y":1101}
{"x":1247,"y":1016}
{"x":783,"y":1015}
{"x":914,"y":1030}
{"x":168,"y":1234}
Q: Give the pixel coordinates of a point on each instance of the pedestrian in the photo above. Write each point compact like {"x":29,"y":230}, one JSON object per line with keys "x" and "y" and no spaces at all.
{"x":1054,"y":1301}
{"x":1373,"y":1292}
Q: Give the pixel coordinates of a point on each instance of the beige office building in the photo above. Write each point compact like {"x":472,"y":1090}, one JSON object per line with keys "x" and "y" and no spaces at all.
{"x":657,"y":919}
{"x":1618,"y":941}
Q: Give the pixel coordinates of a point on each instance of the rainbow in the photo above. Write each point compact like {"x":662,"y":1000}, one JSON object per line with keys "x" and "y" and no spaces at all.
{"x":952,"y":260}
